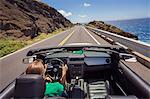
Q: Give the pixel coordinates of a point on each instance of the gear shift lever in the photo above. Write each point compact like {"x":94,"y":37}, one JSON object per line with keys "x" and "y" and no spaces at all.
{"x":76,"y":80}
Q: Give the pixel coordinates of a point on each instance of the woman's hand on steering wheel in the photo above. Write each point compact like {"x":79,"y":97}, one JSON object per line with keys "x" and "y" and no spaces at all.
{"x":55,"y":71}
{"x":48,"y":78}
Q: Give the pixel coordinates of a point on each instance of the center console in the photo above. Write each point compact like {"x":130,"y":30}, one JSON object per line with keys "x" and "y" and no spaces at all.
{"x":76,"y":66}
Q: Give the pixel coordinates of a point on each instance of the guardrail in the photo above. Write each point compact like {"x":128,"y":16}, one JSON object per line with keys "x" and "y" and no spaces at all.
{"x":140,"y":49}
{"x":135,"y":45}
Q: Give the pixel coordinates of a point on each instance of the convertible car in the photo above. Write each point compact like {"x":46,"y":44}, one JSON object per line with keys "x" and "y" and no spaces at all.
{"x":94,"y":72}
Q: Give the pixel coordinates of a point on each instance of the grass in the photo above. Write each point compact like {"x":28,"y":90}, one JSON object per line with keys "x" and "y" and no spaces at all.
{"x":8,"y":46}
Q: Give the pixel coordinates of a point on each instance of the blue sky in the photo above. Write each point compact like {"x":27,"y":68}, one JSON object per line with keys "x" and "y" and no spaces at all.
{"x":105,"y":10}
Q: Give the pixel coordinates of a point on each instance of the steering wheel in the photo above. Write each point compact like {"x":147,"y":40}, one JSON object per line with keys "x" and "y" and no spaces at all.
{"x":54,"y":69}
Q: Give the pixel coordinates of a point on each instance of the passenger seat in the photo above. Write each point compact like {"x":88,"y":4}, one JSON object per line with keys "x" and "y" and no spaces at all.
{"x":97,"y":90}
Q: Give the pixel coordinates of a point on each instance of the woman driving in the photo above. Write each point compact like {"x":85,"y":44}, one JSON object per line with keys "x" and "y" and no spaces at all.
{"x":52,"y":88}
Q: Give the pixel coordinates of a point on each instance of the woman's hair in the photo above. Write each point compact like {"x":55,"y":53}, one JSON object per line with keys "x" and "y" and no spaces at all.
{"x":36,"y":67}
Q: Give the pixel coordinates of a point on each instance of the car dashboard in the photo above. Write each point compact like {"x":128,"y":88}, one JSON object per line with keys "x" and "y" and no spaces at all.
{"x":80,"y":61}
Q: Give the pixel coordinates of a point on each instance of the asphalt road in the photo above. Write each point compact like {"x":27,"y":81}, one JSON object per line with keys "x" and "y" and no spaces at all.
{"x":11,"y":66}
{"x":82,"y":35}
{"x":135,"y":45}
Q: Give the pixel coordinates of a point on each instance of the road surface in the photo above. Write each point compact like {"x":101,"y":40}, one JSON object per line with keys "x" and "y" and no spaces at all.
{"x":11,"y":66}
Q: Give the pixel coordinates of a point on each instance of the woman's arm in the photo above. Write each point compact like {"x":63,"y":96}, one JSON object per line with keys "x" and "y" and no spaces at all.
{"x":64,"y":71}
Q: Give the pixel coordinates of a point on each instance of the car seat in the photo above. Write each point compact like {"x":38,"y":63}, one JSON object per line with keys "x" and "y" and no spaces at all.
{"x":30,"y":86}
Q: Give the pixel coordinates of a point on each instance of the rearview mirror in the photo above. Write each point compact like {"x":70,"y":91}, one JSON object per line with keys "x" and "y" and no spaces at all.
{"x":128,"y":57}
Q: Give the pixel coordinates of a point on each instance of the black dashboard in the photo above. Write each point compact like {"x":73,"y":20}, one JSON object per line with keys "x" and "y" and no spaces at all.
{"x":78,"y":63}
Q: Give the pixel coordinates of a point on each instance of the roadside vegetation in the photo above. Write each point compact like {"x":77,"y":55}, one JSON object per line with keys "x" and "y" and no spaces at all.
{"x":8,"y":46}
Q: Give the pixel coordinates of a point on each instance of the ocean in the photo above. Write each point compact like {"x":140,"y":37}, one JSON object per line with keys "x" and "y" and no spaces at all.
{"x":139,"y":27}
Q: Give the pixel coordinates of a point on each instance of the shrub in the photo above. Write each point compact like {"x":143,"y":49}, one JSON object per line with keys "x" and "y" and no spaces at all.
{"x":8,"y":46}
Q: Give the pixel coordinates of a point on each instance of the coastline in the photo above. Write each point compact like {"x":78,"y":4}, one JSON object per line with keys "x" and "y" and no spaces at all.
{"x":139,"y":27}
{"x":111,"y":28}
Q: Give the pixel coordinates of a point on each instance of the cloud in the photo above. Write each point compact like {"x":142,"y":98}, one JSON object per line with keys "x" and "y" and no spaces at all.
{"x":86,"y":4}
{"x":64,"y":13}
{"x":82,"y":16}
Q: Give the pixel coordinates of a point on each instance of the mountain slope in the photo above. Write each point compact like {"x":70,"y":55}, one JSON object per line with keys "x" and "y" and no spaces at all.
{"x":26,"y":18}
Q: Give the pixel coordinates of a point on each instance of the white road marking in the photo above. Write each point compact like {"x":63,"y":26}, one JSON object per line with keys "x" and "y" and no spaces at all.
{"x":91,"y":36}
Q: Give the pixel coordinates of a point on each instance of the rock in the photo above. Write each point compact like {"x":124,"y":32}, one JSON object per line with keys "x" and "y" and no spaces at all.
{"x":32,"y":32}
{"x":25,"y":18}
{"x":13,"y":33}
{"x":111,"y":28}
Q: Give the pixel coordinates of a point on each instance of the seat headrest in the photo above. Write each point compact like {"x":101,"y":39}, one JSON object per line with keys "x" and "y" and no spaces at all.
{"x":30,"y":86}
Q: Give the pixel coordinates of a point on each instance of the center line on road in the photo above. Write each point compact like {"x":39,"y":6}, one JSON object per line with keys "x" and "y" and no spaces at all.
{"x":64,"y":41}
{"x":91,"y":36}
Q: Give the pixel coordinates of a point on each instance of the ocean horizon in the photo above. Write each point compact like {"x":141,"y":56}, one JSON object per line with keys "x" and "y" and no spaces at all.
{"x":139,"y":27}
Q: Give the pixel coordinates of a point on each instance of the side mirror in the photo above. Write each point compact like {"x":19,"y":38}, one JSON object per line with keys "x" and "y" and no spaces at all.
{"x":28,"y":60}
{"x":128,"y":57}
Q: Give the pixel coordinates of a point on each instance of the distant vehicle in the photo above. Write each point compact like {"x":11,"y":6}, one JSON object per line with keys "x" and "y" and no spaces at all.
{"x":95,"y":72}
